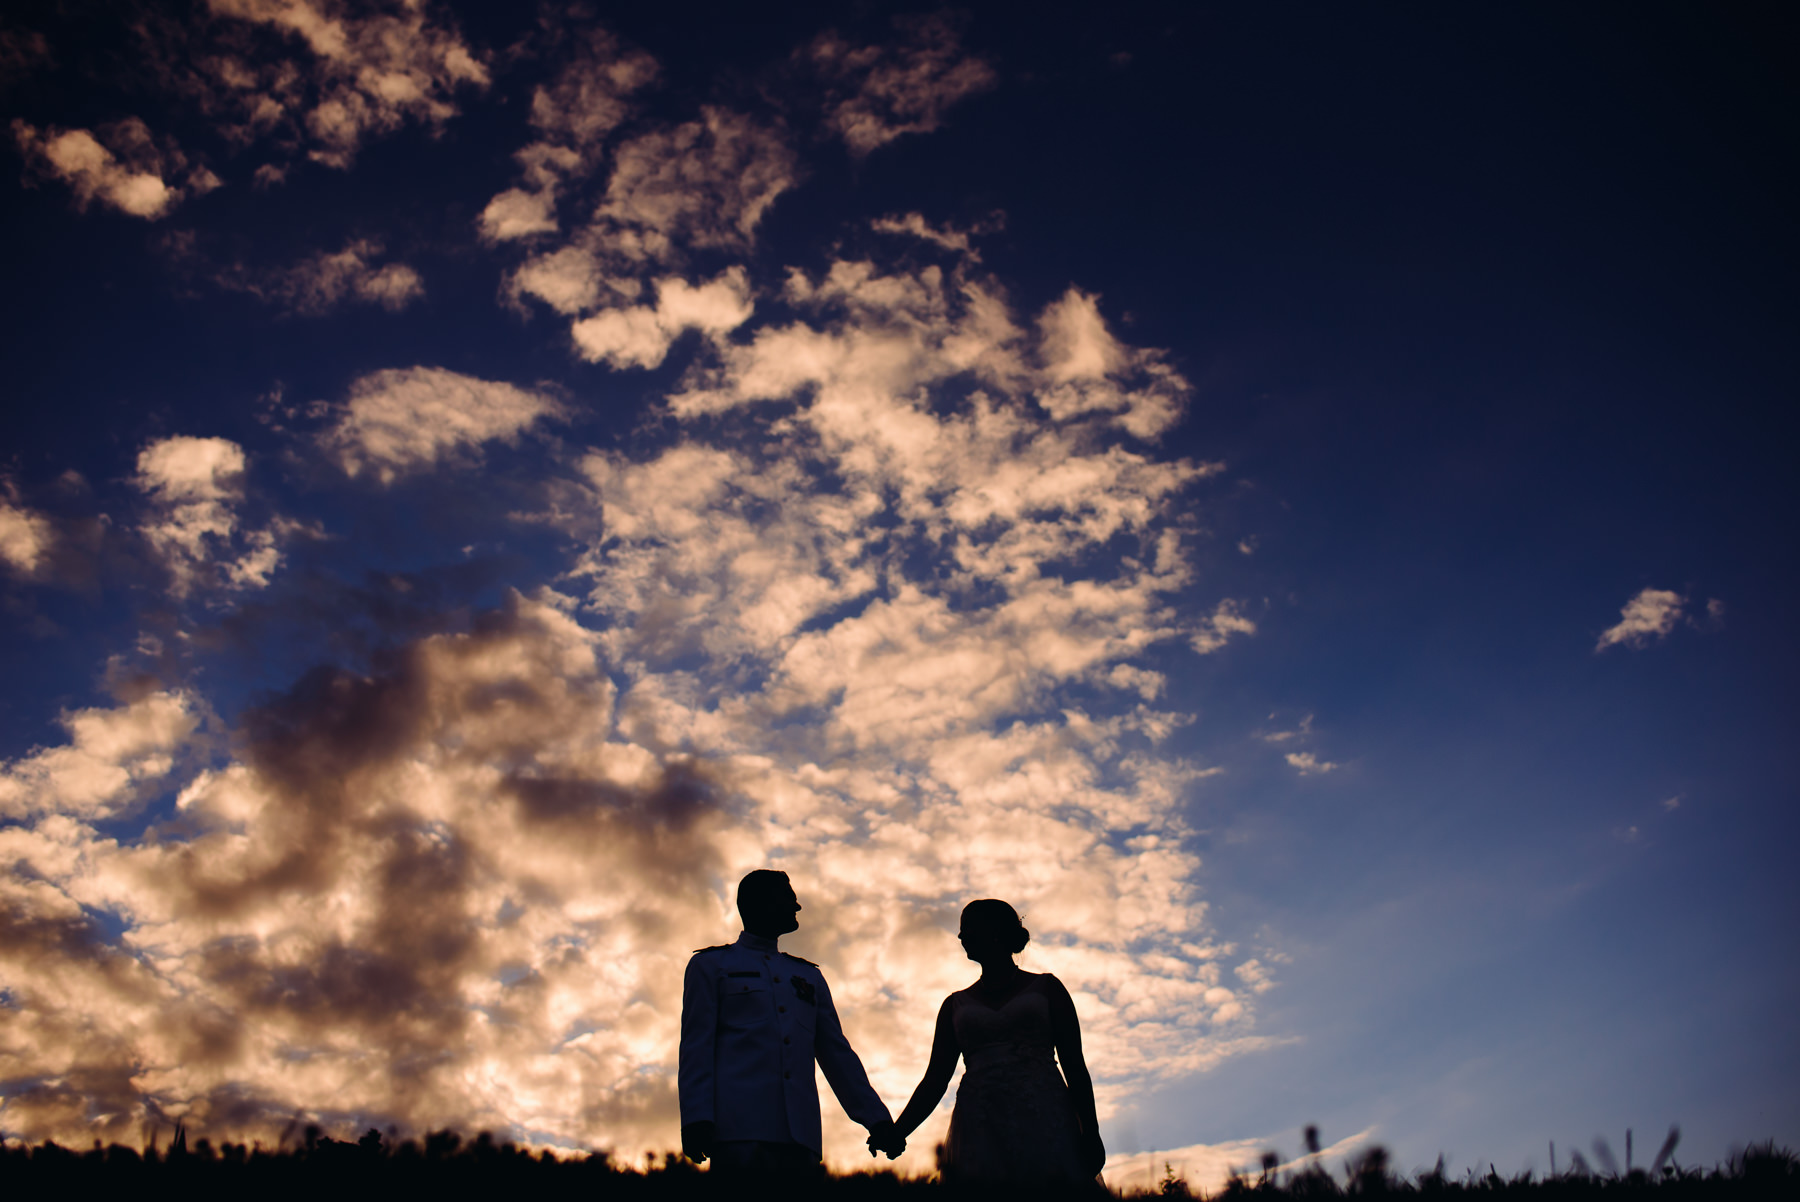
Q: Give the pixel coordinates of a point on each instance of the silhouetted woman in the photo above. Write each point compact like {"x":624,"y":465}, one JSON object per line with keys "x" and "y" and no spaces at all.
{"x":1016,"y":1121}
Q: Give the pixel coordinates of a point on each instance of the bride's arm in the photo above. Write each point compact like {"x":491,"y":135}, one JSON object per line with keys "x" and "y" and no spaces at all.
{"x":944,"y":1053}
{"x":1065,"y":1029}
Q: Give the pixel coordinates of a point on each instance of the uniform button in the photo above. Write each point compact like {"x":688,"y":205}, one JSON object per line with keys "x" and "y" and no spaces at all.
{"x":778,"y":980}
{"x":785,"y":1039}
{"x":787,"y":1076}
{"x":782,"y":1009}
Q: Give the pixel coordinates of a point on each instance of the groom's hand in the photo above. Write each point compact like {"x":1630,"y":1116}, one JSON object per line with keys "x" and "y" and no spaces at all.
{"x":697,"y":1140}
{"x":885,"y":1137}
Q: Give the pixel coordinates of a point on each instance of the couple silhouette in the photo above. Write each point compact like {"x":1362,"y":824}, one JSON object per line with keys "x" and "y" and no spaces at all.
{"x":754,"y":1020}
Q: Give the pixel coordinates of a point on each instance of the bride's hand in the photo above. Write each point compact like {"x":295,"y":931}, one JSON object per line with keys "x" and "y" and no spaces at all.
{"x":1093,"y":1152}
{"x":887,"y":1138}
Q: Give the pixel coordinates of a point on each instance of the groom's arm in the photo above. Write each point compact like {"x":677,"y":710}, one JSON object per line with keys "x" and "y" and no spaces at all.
{"x":697,"y":1073}
{"x":843,"y":1068}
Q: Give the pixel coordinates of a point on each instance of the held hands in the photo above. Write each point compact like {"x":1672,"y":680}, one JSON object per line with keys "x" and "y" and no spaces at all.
{"x":697,"y":1140}
{"x":885,"y":1137}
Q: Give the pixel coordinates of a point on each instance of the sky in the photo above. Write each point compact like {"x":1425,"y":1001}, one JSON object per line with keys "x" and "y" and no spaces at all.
{"x":1292,"y":497}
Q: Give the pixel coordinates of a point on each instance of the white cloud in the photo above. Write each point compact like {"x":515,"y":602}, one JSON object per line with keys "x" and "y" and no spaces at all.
{"x":900,"y":332}
{"x":947,"y":236}
{"x":1207,"y":1167}
{"x":1217,"y":629}
{"x":1302,"y":731}
{"x":877,"y":93}
{"x":1255,"y":976}
{"x":641,"y":335}
{"x":701,"y":185}
{"x":327,"y":78}
{"x":25,"y":537}
{"x":109,"y":755}
{"x":194,"y":485}
{"x":888,"y":635}
{"x":589,"y":97}
{"x":886,"y":626}
{"x":573,"y":115}
{"x":323,"y":281}
{"x":1309,"y":764}
{"x":131,"y":176}
{"x":195,"y":489}
{"x":406,"y":419}
{"x":1088,"y":368}
{"x":1650,"y":615}
{"x":518,"y":213}
{"x":866,"y":604}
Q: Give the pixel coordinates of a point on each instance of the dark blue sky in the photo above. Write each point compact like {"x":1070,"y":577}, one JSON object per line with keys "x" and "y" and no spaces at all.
{"x":1488,"y":313}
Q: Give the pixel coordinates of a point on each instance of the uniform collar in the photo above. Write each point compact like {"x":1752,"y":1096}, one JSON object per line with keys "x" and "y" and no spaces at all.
{"x":757,"y":943}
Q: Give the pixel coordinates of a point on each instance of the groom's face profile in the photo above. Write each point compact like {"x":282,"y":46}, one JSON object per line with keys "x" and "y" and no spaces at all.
{"x":769,"y":907}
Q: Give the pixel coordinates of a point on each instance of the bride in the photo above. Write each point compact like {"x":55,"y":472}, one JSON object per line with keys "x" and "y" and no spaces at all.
{"x":1016,"y":1120}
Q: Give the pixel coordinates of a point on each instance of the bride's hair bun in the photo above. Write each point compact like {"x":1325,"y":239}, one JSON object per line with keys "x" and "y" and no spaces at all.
{"x":994,"y":917}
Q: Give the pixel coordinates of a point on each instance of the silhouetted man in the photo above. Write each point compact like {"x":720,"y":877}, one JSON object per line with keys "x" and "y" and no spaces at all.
{"x":753,"y":1019}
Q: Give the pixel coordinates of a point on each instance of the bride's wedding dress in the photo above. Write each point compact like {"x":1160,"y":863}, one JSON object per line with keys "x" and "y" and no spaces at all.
{"x":1014,"y":1120}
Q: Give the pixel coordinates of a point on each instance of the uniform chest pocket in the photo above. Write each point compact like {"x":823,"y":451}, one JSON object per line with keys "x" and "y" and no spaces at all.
{"x":805,"y":1006}
{"x":744,"y":1000}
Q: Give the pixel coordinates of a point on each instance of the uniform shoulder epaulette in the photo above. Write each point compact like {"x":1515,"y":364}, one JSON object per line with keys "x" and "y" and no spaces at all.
{"x":717,"y":947}
{"x":802,"y":959}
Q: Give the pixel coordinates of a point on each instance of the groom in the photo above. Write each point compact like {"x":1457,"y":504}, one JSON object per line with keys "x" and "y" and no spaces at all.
{"x":752,"y":1021}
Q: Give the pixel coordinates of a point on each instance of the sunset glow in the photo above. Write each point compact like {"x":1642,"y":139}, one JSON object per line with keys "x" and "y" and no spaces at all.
{"x":477,"y":482}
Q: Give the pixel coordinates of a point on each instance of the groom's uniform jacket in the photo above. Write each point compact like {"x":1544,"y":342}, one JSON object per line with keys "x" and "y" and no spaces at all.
{"x":753,"y":1020}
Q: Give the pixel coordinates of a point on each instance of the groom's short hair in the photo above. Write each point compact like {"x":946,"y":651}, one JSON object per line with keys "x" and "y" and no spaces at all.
{"x":761,"y":886}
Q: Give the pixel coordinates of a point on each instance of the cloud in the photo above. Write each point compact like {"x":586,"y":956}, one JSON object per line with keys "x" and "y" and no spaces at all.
{"x":573,"y":115}
{"x":407,"y":419}
{"x":25,"y":537}
{"x":1087,"y":369}
{"x":1218,"y":627}
{"x":1302,"y":731}
{"x":1255,"y":976}
{"x":876,"y":93}
{"x":1650,"y":615}
{"x":873,"y":607}
{"x":1309,"y":764}
{"x":947,"y":236}
{"x":22,"y":53}
{"x":1208,"y":1167}
{"x":110,"y":756}
{"x":888,"y":629}
{"x":319,"y":75}
{"x":128,"y":171}
{"x":443,"y":894}
{"x":888,"y":604}
{"x":702,"y":185}
{"x":641,"y":335}
{"x":194,"y":487}
{"x":322,"y":281}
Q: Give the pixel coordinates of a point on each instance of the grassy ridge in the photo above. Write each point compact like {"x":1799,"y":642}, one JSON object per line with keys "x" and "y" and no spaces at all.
{"x":444,"y":1166}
